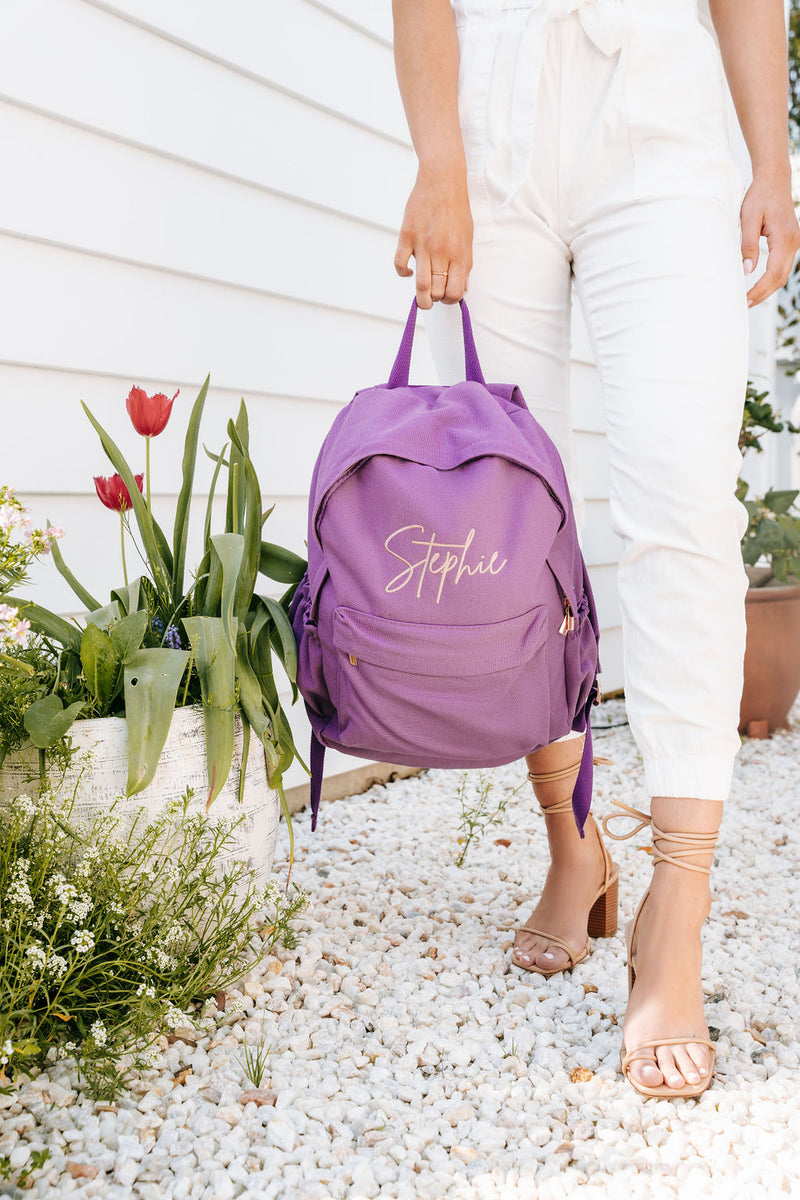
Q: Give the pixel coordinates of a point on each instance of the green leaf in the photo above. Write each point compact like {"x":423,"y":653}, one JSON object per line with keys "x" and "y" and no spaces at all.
{"x":46,"y":720}
{"x":181,"y":528}
{"x":282,"y":565}
{"x":226,"y":562}
{"x":44,"y":621}
{"x":251,"y":530}
{"x":100,"y":663}
{"x":127,"y":634}
{"x":251,"y":698}
{"x":86,"y":598}
{"x":152,"y":678}
{"x":219,"y":459}
{"x":216,"y":666}
{"x":105,"y":616}
{"x":287,"y":646}
{"x":780,"y":501}
{"x":152,"y":543}
{"x":128,"y":597}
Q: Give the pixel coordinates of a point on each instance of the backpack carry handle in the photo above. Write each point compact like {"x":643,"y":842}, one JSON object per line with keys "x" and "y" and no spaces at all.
{"x":399,"y":375}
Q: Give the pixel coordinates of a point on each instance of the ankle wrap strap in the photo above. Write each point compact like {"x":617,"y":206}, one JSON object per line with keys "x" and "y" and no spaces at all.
{"x":693,"y":842}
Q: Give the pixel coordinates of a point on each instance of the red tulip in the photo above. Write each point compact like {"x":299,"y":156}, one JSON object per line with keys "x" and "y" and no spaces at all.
{"x":112,"y":491}
{"x":149,"y":414}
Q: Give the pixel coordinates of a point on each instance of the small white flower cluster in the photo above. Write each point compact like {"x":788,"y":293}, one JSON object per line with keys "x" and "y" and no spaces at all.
{"x":270,"y":896}
{"x":65,"y":1050}
{"x":18,"y":891}
{"x":36,"y":957}
{"x":173,"y":1017}
{"x":8,"y":1050}
{"x":135,"y":927}
{"x":79,"y":908}
{"x":146,"y":989}
{"x":24,"y":805}
{"x":150,"y":1057}
{"x":82,"y":940}
{"x":56,"y":966}
{"x":62,"y":891}
{"x":171,"y":872}
{"x":115,"y":909}
{"x":173,"y":936}
{"x":159,"y":958}
{"x":99,"y":1033}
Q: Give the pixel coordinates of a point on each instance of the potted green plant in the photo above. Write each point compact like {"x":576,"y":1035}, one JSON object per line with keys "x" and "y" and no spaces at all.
{"x":166,"y":683}
{"x":771,"y":552}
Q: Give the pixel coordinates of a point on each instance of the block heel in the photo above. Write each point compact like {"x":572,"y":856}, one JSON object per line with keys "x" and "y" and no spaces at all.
{"x":603,"y":913}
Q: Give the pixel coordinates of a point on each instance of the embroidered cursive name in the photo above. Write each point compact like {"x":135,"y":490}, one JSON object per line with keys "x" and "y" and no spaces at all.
{"x":448,"y":560}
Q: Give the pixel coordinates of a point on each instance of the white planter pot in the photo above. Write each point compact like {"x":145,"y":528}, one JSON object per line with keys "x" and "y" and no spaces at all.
{"x":102,"y":755}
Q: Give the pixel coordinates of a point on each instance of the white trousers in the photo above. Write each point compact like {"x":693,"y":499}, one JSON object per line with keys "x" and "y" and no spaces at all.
{"x":600,"y":152}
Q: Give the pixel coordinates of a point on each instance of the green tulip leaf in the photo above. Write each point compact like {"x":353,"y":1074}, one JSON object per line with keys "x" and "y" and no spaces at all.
{"x":86,"y":598}
{"x":105,"y":616}
{"x":152,"y":678}
{"x":215,"y":661}
{"x":181,"y":528}
{"x":282,"y":565}
{"x":44,"y":621}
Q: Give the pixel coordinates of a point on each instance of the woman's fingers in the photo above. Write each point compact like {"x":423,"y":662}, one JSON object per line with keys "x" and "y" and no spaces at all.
{"x":768,"y":210}
{"x":437,"y":230}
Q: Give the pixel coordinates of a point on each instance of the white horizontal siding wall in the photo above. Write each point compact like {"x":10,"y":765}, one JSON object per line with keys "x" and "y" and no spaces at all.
{"x":191,"y":187}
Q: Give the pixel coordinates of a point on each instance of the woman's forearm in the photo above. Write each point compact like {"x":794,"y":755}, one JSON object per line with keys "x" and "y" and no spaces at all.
{"x":752,"y":41}
{"x":426,"y":63}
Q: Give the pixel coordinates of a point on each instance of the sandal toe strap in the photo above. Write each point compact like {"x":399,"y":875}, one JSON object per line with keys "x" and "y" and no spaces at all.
{"x":636,"y":1053}
{"x":556,"y":941}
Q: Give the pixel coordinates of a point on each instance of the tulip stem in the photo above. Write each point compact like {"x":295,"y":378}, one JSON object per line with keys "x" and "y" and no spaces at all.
{"x":147,"y":466}
{"x":122,"y":545}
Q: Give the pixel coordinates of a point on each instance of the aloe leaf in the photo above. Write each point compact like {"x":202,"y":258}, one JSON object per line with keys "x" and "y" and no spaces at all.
{"x":103,"y":617}
{"x":46,"y":720}
{"x":144,"y":520}
{"x":251,"y":699}
{"x":152,"y":678}
{"x":44,"y":621}
{"x":100,"y":663}
{"x":287,"y":646}
{"x":216,"y":666}
{"x":282,"y":565}
{"x":126,"y":635}
{"x":86,"y":598}
{"x":128,"y":597}
{"x":181,"y":528}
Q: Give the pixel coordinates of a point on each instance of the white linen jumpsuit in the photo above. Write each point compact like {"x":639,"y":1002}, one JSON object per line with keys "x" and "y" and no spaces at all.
{"x":597,"y":147}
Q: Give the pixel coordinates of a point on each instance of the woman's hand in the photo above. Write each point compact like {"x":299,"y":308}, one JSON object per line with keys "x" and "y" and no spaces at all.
{"x":437,"y":229}
{"x":768,"y":209}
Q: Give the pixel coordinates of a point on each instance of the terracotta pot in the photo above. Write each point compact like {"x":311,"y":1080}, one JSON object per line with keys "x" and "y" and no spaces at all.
{"x":99,"y":769}
{"x":772,"y":656}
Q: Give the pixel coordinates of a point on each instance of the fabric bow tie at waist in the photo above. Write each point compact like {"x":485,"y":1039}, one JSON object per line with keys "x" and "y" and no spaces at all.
{"x":607,"y":22}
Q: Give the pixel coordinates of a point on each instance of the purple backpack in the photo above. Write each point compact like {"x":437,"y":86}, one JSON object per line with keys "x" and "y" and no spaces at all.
{"x":446,"y":617}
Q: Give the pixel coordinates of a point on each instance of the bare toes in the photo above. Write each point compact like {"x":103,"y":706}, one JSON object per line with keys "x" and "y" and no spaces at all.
{"x":669,"y":1068}
{"x":647,"y":1073}
{"x":552,"y":960}
{"x":700,"y":1056}
{"x":527,"y":950}
{"x":686,"y":1065}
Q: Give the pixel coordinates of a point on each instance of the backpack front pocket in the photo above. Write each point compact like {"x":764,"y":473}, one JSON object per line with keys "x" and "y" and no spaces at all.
{"x":450,"y":695}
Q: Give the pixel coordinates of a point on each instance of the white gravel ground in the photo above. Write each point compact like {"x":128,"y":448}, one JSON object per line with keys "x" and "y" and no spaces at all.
{"x":409,"y":1060}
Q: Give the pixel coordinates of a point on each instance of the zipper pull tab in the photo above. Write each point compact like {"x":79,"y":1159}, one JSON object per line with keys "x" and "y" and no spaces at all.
{"x":568,"y":624}
{"x":353,"y":659}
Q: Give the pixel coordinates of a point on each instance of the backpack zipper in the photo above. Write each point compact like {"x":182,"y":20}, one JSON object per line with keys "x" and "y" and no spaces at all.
{"x":568,"y":624}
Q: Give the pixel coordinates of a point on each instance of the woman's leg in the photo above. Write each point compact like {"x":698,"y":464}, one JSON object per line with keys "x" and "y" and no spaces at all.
{"x":663,"y":293}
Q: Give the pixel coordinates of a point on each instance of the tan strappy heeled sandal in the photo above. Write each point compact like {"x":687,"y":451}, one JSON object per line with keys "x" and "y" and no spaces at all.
{"x":693,"y":843}
{"x":602,"y":920}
